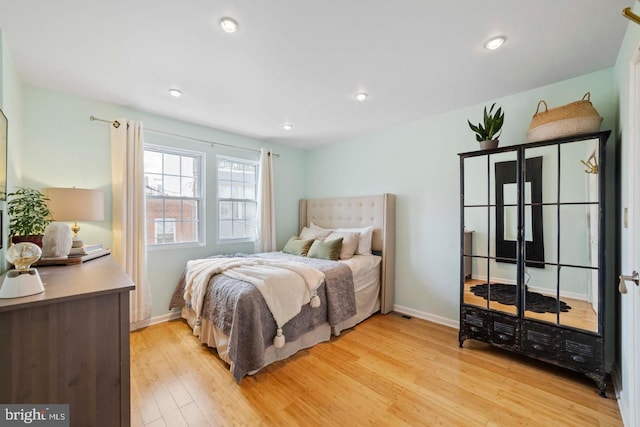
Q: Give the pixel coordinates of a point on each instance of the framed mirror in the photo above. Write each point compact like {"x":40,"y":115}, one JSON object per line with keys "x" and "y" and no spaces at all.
{"x":507,"y":212}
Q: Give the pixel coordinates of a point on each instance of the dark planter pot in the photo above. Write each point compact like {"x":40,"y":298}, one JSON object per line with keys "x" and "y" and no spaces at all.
{"x":32,"y":239}
{"x":488,"y":145}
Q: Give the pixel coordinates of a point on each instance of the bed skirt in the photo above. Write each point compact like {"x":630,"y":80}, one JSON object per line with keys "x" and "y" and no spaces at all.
{"x":367,"y":303}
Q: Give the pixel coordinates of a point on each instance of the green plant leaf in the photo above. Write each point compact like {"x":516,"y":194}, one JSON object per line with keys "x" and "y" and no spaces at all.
{"x":28,"y":212}
{"x":491,"y":125}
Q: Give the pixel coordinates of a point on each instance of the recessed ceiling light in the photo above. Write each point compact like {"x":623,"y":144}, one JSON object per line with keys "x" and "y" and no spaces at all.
{"x":175,"y":92}
{"x":287,"y":126}
{"x":361,"y":96}
{"x":229,"y":25}
{"x":495,"y":42}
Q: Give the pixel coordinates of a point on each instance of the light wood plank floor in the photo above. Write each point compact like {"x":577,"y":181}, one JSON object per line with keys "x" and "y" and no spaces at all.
{"x":387,"y":371}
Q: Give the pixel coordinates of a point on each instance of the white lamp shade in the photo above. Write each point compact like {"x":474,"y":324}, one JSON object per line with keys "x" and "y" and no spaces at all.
{"x":75,"y":204}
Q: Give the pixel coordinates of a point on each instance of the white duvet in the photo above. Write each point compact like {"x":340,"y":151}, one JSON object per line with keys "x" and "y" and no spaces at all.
{"x":285,"y":286}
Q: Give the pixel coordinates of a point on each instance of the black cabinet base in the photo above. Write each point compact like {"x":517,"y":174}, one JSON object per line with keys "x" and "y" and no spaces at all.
{"x":578,"y":351}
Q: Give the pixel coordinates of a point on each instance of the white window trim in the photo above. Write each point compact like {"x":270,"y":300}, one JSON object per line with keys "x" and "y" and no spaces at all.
{"x":201,"y":206}
{"x":219,"y":158}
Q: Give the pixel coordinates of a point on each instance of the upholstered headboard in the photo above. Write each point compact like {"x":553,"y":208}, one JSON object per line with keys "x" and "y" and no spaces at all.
{"x":346,"y":212}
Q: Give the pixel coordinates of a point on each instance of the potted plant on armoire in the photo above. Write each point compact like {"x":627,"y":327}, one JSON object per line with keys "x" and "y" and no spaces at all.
{"x":488,"y":131}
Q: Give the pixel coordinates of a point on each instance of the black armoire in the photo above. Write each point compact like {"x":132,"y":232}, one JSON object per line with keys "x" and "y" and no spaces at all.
{"x":538,"y":220}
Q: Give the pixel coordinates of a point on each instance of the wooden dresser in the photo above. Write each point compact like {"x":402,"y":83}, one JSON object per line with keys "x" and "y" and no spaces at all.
{"x":70,"y":344}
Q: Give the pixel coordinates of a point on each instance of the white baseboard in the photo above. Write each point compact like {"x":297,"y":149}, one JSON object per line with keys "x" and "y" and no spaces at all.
{"x":623,"y":406}
{"x":165,"y":317}
{"x":155,"y":320}
{"x":426,"y":316}
{"x":397,"y":308}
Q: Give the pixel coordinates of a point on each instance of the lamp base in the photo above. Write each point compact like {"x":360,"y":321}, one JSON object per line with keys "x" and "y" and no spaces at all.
{"x":21,"y":284}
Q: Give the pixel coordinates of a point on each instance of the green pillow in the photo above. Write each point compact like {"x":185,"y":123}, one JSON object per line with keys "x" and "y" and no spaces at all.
{"x":296,"y":246}
{"x":327,"y":249}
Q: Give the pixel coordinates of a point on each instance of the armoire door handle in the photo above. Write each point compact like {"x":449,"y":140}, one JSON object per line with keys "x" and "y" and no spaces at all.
{"x":635,"y":278}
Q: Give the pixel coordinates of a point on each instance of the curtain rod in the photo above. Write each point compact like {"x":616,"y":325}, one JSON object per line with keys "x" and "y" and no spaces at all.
{"x":116,"y":124}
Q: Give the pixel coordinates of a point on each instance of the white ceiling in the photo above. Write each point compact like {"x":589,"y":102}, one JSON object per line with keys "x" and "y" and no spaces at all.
{"x":301,"y":61}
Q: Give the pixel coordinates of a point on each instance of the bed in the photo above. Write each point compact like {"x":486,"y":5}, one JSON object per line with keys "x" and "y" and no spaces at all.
{"x":236,"y":319}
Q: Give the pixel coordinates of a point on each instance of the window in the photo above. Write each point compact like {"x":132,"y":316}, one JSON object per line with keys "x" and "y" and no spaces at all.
{"x":165,"y":231}
{"x":237,"y":198}
{"x":173,"y":195}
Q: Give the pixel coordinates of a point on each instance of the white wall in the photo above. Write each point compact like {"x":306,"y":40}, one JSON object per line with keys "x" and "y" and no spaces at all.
{"x":418,"y":161}
{"x":627,"y":360}
{"x":62,"y":148}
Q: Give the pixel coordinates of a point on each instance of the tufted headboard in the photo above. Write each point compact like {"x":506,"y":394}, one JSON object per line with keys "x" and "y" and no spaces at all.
{"x":346,"y":212}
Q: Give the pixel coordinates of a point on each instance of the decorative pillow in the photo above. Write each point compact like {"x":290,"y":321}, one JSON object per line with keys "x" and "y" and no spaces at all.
{"x":314,"y":233}
{"x":327,"y":249}
{"x":350,"y":242}
{"x":297,"y":246}
{"x":366,"y":235}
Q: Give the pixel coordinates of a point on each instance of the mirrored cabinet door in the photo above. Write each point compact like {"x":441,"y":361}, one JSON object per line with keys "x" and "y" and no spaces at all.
{"x":487,"y":283}
{"x":578,"y":247}
{"x":559,"y":287}
{"x":540,"y":204}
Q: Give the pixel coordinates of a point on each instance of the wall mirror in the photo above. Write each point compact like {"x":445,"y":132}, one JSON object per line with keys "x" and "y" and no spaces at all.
{"x":506,"y":190}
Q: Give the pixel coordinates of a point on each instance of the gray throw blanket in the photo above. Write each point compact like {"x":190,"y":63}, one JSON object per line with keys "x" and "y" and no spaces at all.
{"x":238,"y":309}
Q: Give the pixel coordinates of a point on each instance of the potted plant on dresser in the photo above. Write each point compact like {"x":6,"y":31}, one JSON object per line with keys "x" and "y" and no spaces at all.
{"x":28,"y":214}
{"x":487,"y":133}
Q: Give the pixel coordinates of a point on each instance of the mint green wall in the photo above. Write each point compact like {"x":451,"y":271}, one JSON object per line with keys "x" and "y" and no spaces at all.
{"x":63,"y":148}
{"x":418,"y":161}
{"x":11,"y":105}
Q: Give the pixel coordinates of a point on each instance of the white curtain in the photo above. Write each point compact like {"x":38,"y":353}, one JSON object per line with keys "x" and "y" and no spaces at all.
{"x":129,"y":234}
{"x":266,"y":238}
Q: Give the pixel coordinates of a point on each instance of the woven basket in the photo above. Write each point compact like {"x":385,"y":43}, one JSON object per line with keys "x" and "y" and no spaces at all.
{"x":571,"y":119}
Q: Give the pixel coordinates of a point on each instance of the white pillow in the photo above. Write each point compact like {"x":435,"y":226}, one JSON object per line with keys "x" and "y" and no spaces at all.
{"x":366,"y":235}
{"x":314,"y":233}
{"x":350,"y":242}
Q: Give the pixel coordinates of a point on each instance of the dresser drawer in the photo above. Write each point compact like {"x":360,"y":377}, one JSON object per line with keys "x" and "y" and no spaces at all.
{"x":474,"y":324}
{"x":504,"y":330}
{"x":540,"y":341}
{"x":582,"y":352}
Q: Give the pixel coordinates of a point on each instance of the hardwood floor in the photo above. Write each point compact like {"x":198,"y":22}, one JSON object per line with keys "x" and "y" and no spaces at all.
{"x":388,"y":370}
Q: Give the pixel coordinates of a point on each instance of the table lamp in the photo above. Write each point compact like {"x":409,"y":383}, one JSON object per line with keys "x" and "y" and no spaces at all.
{"x":75,"y":204}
